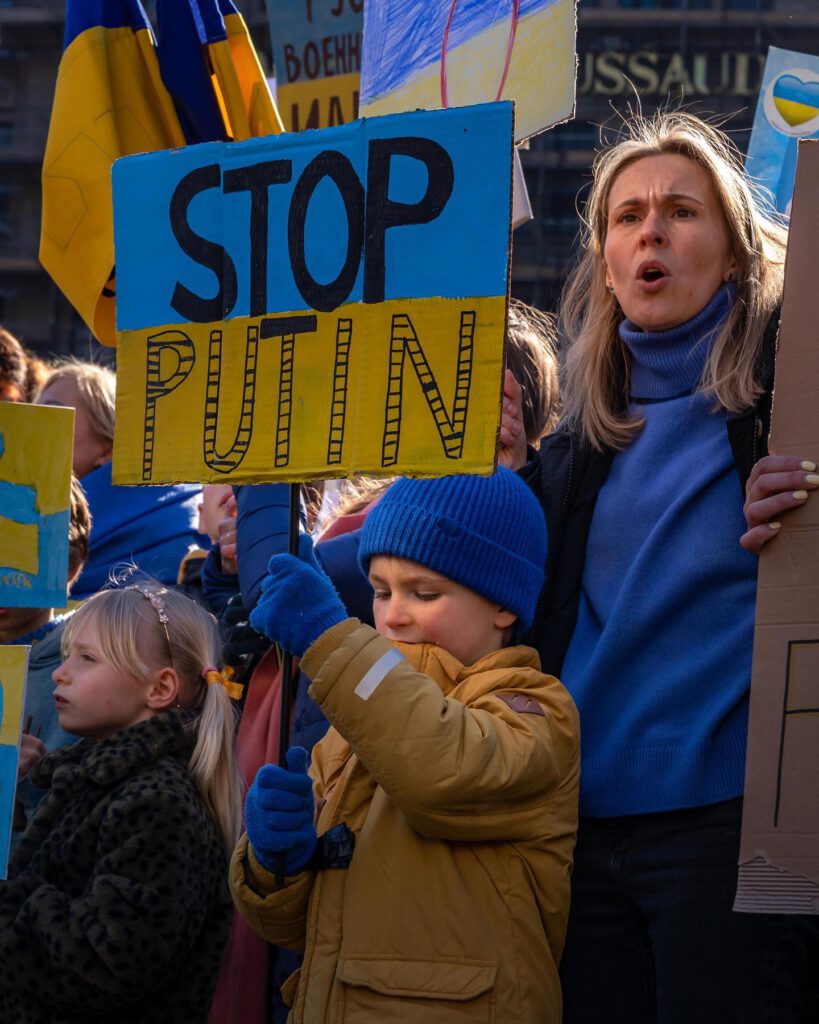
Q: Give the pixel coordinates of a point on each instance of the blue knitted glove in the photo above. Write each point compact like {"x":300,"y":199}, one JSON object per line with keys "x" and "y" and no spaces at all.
{"x":298,"y":602}
{"x":279,"y":813}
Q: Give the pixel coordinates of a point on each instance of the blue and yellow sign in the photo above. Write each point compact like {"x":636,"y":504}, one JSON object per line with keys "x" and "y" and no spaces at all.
{"x":315,"y":305}
{"x":35,"y":487}
{"x":13,"y":667}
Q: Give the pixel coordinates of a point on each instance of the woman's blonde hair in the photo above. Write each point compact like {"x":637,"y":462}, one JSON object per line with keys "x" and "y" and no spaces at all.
{"x":596,"y":372}
{"x":132,"y":637}
{"x":96,"y":386}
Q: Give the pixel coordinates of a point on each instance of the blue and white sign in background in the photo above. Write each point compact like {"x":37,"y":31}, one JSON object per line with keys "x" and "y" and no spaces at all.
{"x":787,"y":111}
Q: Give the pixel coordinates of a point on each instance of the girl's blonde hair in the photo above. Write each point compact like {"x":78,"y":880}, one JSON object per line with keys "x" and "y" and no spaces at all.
{"x":97,"y":388}
{"x":597,"y":366}
{"x":132,"y":637}
{"x":531,"y":355}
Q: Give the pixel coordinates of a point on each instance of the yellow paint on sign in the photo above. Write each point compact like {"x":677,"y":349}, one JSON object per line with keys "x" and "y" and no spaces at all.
{"x":409,"y":386}
{"x":19,"y":546}
{"x":322,"y":103}
{"x":37,"y":442}
{"x":13,"y":665}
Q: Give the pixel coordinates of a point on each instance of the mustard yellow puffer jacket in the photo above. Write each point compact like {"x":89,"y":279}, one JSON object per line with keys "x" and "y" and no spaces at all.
{"x":460,"y":784}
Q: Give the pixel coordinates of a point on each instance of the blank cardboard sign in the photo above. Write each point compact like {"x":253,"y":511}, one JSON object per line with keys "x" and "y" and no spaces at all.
{"x":779,"y":853}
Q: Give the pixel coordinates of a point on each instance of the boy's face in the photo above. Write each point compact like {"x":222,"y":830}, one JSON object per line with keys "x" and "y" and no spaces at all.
{"x":414,"y":605}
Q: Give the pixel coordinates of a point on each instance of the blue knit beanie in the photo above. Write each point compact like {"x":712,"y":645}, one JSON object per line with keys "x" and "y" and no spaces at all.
{"x":485,"y":532}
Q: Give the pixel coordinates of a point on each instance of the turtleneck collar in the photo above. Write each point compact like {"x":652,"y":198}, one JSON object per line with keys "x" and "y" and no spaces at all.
{"x":666,"y":364}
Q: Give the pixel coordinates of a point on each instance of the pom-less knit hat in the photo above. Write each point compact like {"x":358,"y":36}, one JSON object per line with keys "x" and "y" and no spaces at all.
{"x":485,"y":532}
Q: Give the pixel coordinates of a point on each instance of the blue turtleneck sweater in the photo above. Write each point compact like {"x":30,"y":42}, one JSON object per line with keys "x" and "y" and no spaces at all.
{"x":660,"y":661}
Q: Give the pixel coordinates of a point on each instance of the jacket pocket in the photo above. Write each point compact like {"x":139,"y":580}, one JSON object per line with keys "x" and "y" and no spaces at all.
{"x":376,"y":989}
{"x":290,"y":987}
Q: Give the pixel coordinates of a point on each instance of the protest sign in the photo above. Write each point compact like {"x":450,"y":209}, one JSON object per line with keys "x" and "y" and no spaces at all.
{"x":35,"y":486}
{"x":779,"y":853}
{"x":13,"y":667}
{"x":317,"y":55}
{"x":315,"y":304}
{"x":787,"y":111}
{"x":442,"y":53}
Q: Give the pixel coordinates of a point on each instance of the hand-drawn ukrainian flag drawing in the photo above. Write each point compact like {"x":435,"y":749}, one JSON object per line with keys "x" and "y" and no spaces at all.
{"x":36,"y":443}
{"x":449,"y":53}
{"x":13,"y":668}
{"x":109,"y":102}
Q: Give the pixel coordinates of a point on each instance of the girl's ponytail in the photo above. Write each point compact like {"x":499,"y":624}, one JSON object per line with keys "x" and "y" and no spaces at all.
{"x":213,"y":763}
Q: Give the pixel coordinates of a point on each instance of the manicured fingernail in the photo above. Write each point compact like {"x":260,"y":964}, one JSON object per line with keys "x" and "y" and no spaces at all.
{"x":809,"y":466}
{"x":774,"y":526}
{"x":812,"y":478}
{"x":800,"y":495}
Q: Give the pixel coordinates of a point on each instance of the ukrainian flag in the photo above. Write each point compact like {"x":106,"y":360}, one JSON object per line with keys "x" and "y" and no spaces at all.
{"x":210,"y":68}
{"x":109,"y":102}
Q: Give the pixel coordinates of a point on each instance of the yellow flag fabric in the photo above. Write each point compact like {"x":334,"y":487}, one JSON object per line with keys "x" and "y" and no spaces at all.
{"x":109,"y":102}
{"x":247,"y":104}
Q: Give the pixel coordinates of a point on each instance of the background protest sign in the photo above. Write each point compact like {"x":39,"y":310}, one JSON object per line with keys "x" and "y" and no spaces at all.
{"x":442,"y":53}
{"x":779,"y":853}
{"x":13,"y":667}
{"x":787,"y":111}
{"x":36,"y":445}
{"x":315,"y":304}
{"x":317,"y":54}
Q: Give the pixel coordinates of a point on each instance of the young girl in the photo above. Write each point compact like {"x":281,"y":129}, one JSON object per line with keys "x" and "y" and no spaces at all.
{"x":117,"y":902}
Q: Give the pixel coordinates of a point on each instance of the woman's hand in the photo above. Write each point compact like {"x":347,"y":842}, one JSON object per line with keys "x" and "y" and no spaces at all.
{"x":512,"y":449}
{"x":777,"y":483}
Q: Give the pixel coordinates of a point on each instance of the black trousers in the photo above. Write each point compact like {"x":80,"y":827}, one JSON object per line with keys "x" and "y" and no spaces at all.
{"x":652,"y":937}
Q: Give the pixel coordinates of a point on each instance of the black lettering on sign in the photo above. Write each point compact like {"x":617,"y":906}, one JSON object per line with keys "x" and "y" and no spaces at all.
{"x":208,"y":254}
{"x":384,"y":213}
{"x":451,"y":427}
{"x":336,"y":166}
{"x":338,"y":409}
{"x":256,"y":180}
{"x":180,"y":347}
{"x":286,"y":328}
{"x":229,"y":460}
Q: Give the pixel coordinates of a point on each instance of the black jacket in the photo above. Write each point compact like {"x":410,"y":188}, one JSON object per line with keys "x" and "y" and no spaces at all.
{"x":566,"y":475}
{"x":117,"y":908}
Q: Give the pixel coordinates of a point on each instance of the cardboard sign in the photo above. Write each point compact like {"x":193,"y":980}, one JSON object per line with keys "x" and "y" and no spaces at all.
{"x":36,"y":445}
{"x":13,"y":668}
{"x":779,"y":854}
{"x":446,"y":53}
{"x":787,"y":111}
{"x":315,"y":305}
{"x":317,"y":54}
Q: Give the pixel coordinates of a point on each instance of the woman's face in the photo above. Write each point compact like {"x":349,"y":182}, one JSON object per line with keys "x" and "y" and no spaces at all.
{"x":90,"y":450}
{"x":667,"y":248}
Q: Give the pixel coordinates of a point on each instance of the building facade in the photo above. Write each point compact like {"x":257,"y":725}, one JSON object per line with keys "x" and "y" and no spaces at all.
{"x":707,"y":54}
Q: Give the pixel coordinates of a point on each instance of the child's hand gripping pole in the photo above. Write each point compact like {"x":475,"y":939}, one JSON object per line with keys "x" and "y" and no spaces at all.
{"x":279,"y":815}
{"x":297,"y":604}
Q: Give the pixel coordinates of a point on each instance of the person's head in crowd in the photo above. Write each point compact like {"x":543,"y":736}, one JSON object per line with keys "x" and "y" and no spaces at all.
{"x":13,"y":368}
{"x":670,"y":219}
{"x":455,"y":561}
{"x":91,"y":391}
{"x":154,"y":650}
{"x":19,"y":622}
{"x":36,"y":372}
{"x":531,"y":355}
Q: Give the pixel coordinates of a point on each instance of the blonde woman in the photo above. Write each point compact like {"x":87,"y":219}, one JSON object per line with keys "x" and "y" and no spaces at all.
{"x":649,"y":607}
{"x":152,"y":527}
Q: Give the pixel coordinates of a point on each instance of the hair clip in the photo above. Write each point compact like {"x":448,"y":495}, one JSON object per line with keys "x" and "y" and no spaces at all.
{"x":156,"y":602}
{"x":225,"y":679}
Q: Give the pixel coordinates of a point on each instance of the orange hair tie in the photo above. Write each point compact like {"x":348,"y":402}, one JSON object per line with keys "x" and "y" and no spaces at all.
{"x":212,"y":675}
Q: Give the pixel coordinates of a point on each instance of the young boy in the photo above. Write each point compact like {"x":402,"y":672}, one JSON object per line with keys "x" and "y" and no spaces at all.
{"x":446,"y":793}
